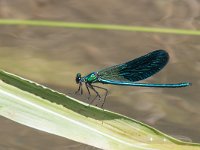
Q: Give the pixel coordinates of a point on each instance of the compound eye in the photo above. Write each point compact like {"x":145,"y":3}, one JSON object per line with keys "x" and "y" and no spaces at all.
{"x":78,"y":78}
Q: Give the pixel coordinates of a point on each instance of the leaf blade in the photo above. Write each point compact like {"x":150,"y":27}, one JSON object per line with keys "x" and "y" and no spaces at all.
{"x":36,"y":106}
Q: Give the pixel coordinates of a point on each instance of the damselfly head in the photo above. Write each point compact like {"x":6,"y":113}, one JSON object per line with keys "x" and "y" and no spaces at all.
{"x":78,"y":78}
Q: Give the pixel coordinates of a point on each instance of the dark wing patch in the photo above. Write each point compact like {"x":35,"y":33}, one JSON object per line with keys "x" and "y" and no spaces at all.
{"x":137,"y":69}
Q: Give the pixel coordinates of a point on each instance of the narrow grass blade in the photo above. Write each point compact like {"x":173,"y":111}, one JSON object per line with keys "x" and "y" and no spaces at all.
{"x":98,"y":26}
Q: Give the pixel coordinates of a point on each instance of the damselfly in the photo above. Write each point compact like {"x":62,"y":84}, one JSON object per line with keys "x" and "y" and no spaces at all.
{"x":128,"y":73}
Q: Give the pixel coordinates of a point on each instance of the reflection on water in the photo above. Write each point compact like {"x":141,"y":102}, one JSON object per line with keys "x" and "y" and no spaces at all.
{"x":53,"y":56}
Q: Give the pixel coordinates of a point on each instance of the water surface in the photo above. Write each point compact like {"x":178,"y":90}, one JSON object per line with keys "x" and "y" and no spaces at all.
{"x":53,"y":56}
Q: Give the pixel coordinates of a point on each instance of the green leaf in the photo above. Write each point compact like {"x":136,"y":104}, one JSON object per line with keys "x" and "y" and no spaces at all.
{"x":39,"y":107}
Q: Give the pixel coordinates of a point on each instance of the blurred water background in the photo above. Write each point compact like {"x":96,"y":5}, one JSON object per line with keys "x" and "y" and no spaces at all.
{"x":53,"y":56}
